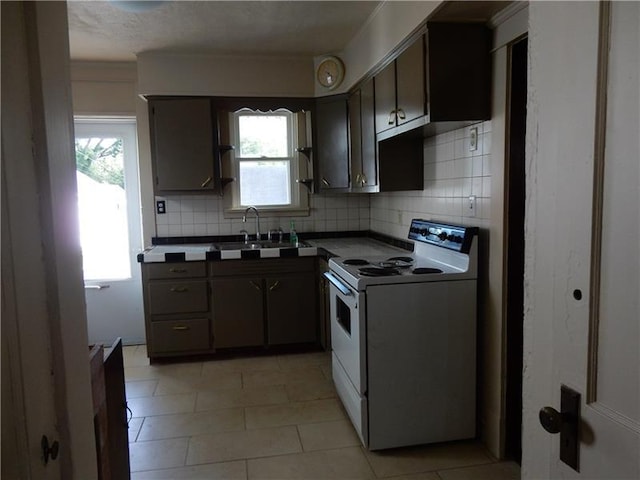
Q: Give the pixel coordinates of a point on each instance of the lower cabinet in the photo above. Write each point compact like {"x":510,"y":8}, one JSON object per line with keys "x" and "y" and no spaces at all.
{"x":177,"y":308}
{"x":291,"y":308}
{"x":237,"y":311}
{"x":264,"y":302}
{"x":199,"y":307}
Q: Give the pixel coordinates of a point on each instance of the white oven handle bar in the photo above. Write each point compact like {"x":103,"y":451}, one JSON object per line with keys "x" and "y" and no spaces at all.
{"x":337,"y":283}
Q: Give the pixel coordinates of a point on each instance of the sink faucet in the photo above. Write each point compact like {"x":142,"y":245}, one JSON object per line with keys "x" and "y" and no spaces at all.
{"x":244,"y":219}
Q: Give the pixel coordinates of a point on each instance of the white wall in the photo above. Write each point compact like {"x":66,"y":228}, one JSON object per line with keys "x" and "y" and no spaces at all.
{"x":385,"y":29}
{"x":180,"y":74}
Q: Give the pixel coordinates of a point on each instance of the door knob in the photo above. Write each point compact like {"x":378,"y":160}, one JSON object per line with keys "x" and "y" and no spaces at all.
{"x":550,"y":419}
{"x":566,"y":422}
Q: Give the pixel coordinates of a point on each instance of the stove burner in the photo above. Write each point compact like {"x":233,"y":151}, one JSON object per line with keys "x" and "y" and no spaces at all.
{"x":402,"y":259}
{"x":355,"y":261}
{"x":393,"y":264}
{"x":378,"y":272}
{"x":422,"y":270}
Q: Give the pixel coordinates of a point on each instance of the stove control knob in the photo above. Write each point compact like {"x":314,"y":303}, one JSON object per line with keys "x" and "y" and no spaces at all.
{"x":443,"y":236}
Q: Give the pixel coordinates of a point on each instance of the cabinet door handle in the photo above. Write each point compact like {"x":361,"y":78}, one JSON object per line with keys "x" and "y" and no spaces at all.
{"x":177,"y":270}
{"x":401,"y":114}
{"x":274,"y":286}
{"x":363,"y":179}
{"x":206,"y":182}
{"x":180,"y":327}
{"x":358,"y":177}
{"x":326,"y":182}
{"x":180,"y":289}
{"x":255,"y":285}
{"x":392,"y":117}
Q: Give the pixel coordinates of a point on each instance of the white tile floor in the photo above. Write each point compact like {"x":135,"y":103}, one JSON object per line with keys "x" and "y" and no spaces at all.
{"x":274,"y":417}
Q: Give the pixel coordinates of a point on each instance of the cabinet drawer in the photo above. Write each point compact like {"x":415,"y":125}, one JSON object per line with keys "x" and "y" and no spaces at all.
{"x":156,"y":271}
{"x":180,"y":335}
{"x":178,"y":297}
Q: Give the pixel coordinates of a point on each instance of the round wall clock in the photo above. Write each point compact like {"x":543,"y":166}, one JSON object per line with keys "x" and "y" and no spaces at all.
{"x":330,"y":72}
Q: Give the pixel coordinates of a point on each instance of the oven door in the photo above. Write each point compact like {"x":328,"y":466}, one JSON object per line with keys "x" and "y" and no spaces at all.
{"x":348,"y":323}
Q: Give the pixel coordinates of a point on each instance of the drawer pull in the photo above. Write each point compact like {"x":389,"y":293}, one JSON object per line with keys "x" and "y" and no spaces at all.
{"x":274,"y":286}
{"x":177,"y":270}
{"x":179,"y":289}
{"x":180,"y":327}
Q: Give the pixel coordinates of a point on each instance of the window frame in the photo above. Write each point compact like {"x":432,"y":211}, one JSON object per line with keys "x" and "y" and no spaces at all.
{"x":299,"y":197}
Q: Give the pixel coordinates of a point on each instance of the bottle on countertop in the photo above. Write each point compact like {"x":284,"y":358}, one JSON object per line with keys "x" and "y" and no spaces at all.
{"x":293,"y":236}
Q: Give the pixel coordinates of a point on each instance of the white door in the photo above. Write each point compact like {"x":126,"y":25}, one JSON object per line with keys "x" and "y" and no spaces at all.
{"x":582,"y":316}
{"x":110,"y":228}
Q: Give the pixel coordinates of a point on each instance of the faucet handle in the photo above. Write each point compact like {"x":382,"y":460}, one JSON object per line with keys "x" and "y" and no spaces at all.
{"x":246,"y":235}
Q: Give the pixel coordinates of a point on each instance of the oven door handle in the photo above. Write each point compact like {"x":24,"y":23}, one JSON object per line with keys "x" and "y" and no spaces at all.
{"x":337,"y":283}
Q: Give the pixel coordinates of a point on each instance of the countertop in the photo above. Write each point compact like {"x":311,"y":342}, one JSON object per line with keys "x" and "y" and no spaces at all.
{"x":355,"y":247}
{"x":330,"y":247}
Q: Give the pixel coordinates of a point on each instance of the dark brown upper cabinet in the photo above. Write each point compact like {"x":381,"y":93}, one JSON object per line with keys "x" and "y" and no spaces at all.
{"x":400,"y":88}
{"x":440,"y":82}
{"x":458,"y":72}
{"x":183,"y":143}
{"x":332,"y":143}
{"x":362,"y":137}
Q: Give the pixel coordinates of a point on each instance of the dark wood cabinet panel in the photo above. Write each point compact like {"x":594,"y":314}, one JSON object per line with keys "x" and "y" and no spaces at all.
{"x":364,"y":167}
{"x":177,"y":308}
{"x":458,"y":68}
{"x":385,"y":99}
{"x":410,"y":83}
{"x":238,"y":313}
{"x":182,"y":144}
{"x":181,"y":336}
{"x":276,"y":297}
{"x":178,"y":297}
{"x":368,"y":133}
{"x":332,"y":142}
{"x":291,"y":309}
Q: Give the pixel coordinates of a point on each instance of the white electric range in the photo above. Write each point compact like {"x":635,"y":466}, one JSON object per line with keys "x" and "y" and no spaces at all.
{"x":403,"y":333}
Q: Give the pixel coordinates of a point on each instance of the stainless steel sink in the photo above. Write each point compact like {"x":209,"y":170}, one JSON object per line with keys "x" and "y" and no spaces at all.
{"x":254,"y":245}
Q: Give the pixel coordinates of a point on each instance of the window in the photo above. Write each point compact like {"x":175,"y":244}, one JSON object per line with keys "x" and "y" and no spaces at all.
{"x":265,"y":162}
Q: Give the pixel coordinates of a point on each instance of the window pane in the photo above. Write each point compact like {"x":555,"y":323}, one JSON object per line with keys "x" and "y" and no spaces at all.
{"x":264,"y":183}
{"x":102,"y":208}
{"x":263,"y":136}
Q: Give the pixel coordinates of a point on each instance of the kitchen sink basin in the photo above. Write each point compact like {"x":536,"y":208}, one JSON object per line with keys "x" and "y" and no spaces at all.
{"x":254,"y":245}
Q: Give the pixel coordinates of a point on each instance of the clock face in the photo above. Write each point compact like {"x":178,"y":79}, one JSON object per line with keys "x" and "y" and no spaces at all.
{"x":330,"y":72}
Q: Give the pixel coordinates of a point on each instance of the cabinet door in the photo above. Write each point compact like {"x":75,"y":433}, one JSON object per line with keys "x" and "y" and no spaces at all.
{"x":385,"y":102}
{"x":182,"y":144}
{"x":332,"y":142}
{"x":238,"y":319}
{"x":411,"y":83}
{"x":292,"y":314}
{"x":368,"y":136}
{"x":355,"y":139}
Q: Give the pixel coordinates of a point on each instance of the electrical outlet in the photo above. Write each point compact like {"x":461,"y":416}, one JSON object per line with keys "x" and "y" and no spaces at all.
{"x":471,"y":206}
{"x":473,"y":139}
{"x":161,"y":207}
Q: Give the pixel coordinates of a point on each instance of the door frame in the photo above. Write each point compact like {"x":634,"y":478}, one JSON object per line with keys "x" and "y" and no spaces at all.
{"x":42,"y":277}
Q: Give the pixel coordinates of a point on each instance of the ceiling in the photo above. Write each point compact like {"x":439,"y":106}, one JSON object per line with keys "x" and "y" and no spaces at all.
{"x":118,"y":31}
